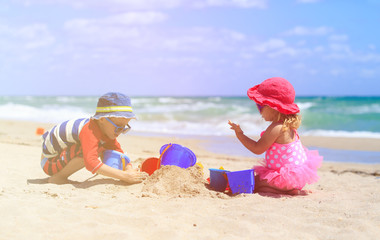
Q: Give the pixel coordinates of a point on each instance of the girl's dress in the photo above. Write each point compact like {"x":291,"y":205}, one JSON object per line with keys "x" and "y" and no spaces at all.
{"x":289,"y":166}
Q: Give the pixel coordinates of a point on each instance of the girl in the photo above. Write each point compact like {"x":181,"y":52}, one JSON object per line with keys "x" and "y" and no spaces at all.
{"x":287,"y":166}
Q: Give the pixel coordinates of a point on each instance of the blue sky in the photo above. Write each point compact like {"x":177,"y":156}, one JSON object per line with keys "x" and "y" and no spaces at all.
{"x":188,"y":47}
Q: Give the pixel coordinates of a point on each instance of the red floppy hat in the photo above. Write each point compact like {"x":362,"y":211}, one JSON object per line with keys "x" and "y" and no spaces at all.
{"x":276,"y":93}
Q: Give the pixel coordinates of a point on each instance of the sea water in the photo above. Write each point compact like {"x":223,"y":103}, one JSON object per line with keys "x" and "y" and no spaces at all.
{"x":207,"y":117}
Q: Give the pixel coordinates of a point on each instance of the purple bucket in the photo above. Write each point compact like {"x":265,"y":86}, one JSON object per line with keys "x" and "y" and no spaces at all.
{"x":177,"y":155}
{"x":241,"y":181}
{"x":218,"y":179}
{"x":115,"y":159}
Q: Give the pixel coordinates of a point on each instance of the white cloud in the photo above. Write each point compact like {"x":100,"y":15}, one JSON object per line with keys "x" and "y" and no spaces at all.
{"x":338,"y":38}
{"x":344,"y":52}
{"x":130,"y":18}
{"x":180,"y":61}
{"x":234,"y":3}
{"x":116,"y":5}
{"x":36,"y":36}
{"x":275,"y":47}
{"x":271,"y":44}
{"x":287,"y":51}
{"x":343,"y":48}
{"x":140,"y":30}
{"x":27,"y":37}
{"x":299,"y":65}
{"x":123,"y":31}
{"x":367,"y":57}
{"x":319,"y":49}
{"x":233,"y":35}
{"x":131,"y":5}
{"x":337,"y":72}
{"x":308,"y":1}
{"x":304,"y":31}
{"x":368,"y":73}
{"x":200,"y":40}
{"x":372,"y":46}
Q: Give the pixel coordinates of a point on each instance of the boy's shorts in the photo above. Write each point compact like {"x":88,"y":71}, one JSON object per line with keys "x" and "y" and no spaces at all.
{"x":55,"y":164}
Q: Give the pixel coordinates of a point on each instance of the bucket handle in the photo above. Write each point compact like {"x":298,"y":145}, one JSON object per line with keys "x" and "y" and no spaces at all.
{"x":162,"y":154}
{"x":123,"y":162}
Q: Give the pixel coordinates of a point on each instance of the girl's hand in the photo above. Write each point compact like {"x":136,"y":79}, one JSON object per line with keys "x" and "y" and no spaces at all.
{"x":235,"y":127}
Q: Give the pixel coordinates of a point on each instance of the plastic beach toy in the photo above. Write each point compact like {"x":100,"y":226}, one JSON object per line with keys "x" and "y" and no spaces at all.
{"x":115,"y":159}
{"x":170,"y":154}
{"x":241,"y":181}
{"x":150,"y":165}
{"x":177,"y":155}
{"x":40,"y":131}
{"x":218,"y":179}
{"x":236,"y":181}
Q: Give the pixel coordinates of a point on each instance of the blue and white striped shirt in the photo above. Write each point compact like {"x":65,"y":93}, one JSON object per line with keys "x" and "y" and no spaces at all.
{"x":61,"y":136}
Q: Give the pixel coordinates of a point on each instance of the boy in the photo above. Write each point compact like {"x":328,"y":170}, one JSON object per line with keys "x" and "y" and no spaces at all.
{"x":74,"y":144}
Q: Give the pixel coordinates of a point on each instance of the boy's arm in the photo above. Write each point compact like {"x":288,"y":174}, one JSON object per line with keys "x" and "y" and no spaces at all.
{"x":130,"y":175}
{"x":90,"y":145}
{"x":93,"y":164}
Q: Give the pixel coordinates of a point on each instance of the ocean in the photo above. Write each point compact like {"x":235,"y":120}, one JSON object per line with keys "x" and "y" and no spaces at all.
{"x":207,"y":117}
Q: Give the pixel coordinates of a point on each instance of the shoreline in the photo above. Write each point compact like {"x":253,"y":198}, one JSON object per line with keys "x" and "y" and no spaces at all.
{"x":334,"y":149}
{"x":335,"y":142}
{"x":23,"y":133}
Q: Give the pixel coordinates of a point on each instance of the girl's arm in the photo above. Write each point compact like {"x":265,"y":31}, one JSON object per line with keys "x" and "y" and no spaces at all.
{"x":267,"y":139}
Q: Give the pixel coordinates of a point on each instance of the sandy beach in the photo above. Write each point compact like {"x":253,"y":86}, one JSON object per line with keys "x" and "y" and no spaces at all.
{"x":344,"y":204}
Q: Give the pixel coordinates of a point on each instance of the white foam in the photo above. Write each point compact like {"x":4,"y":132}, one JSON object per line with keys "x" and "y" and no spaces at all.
{"x":205,"y":127}
{"x":364,"y":109}
{"x":51,"y":114}
{"x":168,"y":115}
{"x":331,"y":133}
{"x":305,"y":105}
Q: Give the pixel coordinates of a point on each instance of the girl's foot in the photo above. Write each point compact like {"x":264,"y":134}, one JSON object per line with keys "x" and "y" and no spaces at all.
{"x":292,"y":192}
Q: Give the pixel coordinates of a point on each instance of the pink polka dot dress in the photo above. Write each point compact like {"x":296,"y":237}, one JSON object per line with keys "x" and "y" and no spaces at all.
{"x":289,"y":166}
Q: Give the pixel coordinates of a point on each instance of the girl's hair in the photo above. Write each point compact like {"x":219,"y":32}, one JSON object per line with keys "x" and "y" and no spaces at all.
{"x":290,"y":121}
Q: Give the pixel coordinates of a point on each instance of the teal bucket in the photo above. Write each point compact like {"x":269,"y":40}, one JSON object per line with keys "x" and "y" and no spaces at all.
{"x":177,"y":155}
{"x":115,"y":159}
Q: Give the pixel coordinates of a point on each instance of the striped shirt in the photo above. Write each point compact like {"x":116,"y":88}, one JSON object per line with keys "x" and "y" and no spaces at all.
{"x":61,"y":136}
{"x":81,"y":131}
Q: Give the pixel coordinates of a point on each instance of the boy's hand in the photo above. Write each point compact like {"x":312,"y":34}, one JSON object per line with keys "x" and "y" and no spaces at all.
{"x":131,"y":175}
{"x":235,"y":127}
{"x":129,"y":166}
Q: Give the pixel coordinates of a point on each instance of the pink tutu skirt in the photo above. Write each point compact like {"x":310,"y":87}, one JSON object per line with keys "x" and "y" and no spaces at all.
{"x":292,"y":176}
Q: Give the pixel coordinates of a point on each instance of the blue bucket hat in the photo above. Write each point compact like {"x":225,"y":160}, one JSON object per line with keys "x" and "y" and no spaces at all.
{"x":114,"y":104}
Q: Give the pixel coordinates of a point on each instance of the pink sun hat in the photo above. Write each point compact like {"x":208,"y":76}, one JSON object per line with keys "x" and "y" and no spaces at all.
{"x":276,"y":93}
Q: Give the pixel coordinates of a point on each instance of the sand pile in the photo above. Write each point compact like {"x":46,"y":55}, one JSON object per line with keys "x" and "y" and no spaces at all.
{"x":174,"y":181}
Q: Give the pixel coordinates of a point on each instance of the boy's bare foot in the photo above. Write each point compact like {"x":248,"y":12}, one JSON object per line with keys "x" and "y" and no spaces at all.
{"x":57,"y":180}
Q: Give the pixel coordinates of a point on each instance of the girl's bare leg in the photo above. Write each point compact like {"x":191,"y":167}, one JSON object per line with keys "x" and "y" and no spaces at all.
{"x":73,"y":166}
{"x":262,"y":186}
